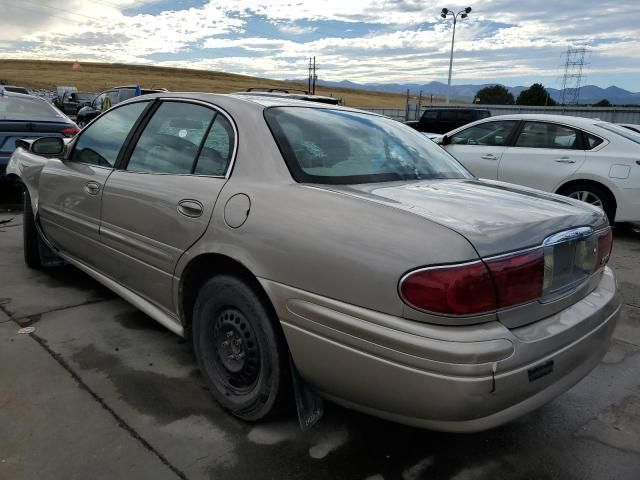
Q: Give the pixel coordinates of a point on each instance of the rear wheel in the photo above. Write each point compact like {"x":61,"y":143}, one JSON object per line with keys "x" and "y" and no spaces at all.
{"x":594,"y":195}
{"x":30,"y":237}
{"x":241,"y":353}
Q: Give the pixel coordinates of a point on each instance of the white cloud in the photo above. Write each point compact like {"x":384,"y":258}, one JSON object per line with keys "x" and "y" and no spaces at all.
{"x":406,"y":40}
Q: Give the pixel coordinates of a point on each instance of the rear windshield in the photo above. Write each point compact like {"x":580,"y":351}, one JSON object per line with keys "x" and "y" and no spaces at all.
{"x":623,"y":132}
{"x":341,"y":147}
{"x":23,"y":108}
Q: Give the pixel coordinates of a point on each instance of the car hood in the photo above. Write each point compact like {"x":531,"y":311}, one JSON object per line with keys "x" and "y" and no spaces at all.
{"x":495,"y":217}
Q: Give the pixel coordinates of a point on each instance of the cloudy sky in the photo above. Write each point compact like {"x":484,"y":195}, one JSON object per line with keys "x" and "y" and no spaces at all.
{"x":515,"y":42}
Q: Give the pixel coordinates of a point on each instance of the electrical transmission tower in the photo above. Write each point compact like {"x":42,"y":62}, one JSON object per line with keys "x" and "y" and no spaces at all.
{"x":573,"y":77}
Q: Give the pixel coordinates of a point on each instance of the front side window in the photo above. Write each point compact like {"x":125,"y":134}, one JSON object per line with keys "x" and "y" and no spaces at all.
{"x":488,"y":133}
{"x":548,"y":135}
{"x":338,"y":147}
{"x":100,"y":143}
{"x":97,"y":103}
{"x":171,"y":140}
{"x":447,"y":116}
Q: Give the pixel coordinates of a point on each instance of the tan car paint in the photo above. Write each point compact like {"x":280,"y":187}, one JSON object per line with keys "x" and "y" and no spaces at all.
{"x":330,"y":259}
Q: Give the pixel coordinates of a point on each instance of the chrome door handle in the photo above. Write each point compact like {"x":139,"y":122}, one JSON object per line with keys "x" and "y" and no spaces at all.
{"x":565,"y":160}
{"x":489,"y":156}
{"x":190,"y":208}
{"x":92,"y":188}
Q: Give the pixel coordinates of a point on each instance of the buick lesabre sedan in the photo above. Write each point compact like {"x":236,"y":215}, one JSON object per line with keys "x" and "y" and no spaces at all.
{"x":307,"y":242}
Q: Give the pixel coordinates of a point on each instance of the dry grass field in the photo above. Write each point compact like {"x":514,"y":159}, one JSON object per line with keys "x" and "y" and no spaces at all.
{"x":95,"y":77}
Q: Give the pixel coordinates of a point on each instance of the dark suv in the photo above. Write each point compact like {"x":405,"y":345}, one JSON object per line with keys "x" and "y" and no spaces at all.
{"x":107,"y":99}
{"x":445,"y":119}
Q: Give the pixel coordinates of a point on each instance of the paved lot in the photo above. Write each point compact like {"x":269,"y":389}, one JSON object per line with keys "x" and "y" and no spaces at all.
{"x":99,"y":390}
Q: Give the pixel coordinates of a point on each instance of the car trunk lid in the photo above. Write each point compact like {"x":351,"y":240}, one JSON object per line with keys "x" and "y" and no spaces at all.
{"x":495,"y":217}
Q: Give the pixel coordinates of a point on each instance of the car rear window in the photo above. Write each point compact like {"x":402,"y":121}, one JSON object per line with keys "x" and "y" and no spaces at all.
{"x":342,"y":147}
{"x":24,"y":108}
{"x":623,"y":132}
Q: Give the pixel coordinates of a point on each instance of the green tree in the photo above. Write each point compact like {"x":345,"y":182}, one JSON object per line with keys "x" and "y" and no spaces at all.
{"x":603,"y":103}
{"x":537,"y":95}
{"x":495,"y":95}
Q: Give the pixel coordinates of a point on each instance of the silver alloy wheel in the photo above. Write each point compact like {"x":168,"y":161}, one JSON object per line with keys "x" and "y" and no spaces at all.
{"x":586,"y":196}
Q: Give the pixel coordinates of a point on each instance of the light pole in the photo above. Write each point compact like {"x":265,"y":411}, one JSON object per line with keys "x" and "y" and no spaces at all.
{"x":463,"y":14}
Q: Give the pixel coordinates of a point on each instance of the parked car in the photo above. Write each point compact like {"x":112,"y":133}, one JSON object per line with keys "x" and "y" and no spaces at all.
{"x":442,"y":119}
{"x":14,"y":89}
{"x":582,"y":158}
{"x":109,"y":98}
{"x":291,"y":94}
{"x":26,"y":116}
{"x":72,"y":102}
{"x":268,"y":229}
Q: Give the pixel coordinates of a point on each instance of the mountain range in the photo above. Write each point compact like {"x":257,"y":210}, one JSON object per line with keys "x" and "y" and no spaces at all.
{"x":589,"y":94}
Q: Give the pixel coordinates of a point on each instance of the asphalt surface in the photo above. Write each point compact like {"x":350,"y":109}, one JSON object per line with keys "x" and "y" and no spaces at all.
{"x":99,"y":390}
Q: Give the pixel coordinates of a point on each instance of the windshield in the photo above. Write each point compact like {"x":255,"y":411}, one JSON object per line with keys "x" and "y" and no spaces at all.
{"x":24,"y":108}
{"x":623,"y":132}
{"x":342,"y":147}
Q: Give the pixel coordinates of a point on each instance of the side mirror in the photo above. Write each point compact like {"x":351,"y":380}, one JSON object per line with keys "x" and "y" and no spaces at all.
{"x":446,"y":140}
{"x":48,"y":146}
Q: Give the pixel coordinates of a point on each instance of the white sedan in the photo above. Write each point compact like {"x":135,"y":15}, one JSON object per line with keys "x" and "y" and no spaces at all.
{"x":583,"y":158}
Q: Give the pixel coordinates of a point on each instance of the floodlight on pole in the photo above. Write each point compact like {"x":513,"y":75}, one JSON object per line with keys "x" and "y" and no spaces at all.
{"x":444,"y":14}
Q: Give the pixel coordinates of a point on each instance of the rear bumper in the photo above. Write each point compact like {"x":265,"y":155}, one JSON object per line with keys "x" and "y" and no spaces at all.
{"x":458,"y":379}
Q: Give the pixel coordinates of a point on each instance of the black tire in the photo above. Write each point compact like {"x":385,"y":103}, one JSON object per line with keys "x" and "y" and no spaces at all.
{"x":240,"y":349}
{"x":597,"y":195}
{"x":30,"y":237}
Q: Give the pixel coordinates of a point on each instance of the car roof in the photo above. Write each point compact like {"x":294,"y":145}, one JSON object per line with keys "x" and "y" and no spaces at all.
{"x":259,"y":101}
{"x":567,"y":119}
{"x":26,"y":96}
{"x":298,"y":96}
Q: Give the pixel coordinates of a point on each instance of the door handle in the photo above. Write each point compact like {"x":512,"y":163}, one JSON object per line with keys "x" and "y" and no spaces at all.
{"x":489,"y":156}
{"x":92,"y":188}
{"x":190,"y":208}
{"x":565,"y":160}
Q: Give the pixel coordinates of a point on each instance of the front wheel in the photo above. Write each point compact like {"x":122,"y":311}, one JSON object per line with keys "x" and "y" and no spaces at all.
{"x":240,"y":351}
{"x":593,"y":195}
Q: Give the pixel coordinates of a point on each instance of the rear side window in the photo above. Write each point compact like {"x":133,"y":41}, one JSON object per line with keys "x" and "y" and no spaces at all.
{"x":100,"y":143}
{"x":126,"y":94}
{"x":466,"y":116}
{"x":548,"y":135}
{"x":592,"y":141}
{"x":217,"y":149}
{"x":171,"y":140}
{"x":430,"y":115}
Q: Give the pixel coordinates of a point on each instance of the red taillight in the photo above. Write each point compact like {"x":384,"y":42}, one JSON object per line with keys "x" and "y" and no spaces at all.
{"x":518,"y":278}
{"x":69,"y":132}
{"x":452,"y":290}
{"x":605,"y":243}
{"x":476,"y":287}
